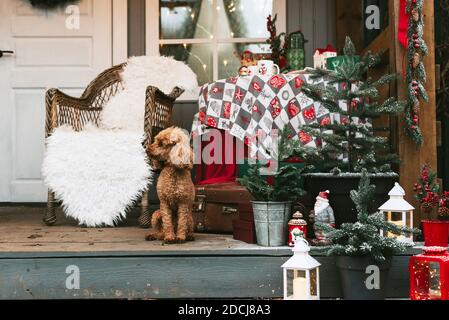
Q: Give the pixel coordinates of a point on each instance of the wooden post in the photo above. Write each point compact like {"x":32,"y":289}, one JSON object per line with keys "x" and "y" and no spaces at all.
{"x":349,"y":16}
{"x":412,"y":157}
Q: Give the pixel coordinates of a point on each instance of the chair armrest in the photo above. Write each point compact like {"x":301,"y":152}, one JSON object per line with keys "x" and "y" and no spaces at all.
{"x":62,"y":109}
{"x":158,"y":111}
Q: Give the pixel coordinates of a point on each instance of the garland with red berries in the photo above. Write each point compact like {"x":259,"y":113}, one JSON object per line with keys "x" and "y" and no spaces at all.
{"x":416,"y":72}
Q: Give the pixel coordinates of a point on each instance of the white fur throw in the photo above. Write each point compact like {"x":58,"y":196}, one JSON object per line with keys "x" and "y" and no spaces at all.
{"x":96,"y":173}
{"x":126,"y":110}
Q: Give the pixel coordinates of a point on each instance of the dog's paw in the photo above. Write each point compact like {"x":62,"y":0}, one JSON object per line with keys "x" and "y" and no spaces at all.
{"x":170,"y":240}
{"x":151,"y":237}
{"x":180,"y":239}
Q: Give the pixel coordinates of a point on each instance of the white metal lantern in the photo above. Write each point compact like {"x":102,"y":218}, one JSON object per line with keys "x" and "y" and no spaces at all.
{"x":399,"y":212}
{"x":301,"y":274}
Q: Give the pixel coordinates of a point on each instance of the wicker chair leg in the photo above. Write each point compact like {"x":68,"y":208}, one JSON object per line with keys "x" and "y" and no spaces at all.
{"x":145,"y":217}
{"x":50,"y":215}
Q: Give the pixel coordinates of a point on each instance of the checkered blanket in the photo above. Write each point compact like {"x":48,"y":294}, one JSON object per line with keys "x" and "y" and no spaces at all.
{"x":249,"y":106}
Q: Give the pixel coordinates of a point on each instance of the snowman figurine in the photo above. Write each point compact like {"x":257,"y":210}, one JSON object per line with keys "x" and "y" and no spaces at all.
{"x":323,"y":213}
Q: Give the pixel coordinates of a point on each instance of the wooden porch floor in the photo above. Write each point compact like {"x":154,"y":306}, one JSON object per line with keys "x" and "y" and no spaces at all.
{"x":36,"y":261}
{"x":22,"y":231}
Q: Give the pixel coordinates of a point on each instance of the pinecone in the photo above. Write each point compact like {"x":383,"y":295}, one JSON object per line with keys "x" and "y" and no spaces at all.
{"x":426,"y":207}
{"x":416,"y":108}
{"x":443,"y":212}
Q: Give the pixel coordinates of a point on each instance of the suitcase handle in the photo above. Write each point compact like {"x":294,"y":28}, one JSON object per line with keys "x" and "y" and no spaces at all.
{"x":200,"y":203}
{"x":229,"y":210}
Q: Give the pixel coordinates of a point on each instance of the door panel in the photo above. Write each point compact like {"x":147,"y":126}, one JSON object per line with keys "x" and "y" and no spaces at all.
{"x":47,"y":54}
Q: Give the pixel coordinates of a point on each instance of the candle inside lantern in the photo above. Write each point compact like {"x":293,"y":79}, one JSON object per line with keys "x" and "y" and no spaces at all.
{"x":434,"y":281}
{"x":299,"y":288}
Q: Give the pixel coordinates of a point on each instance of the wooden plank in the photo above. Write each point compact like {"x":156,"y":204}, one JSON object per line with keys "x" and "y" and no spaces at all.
{"x":293,"y":16}
{"x":413,"y":157}
{"x":307,"y":14}
{"x":117,"y":263}
{"x":168,"y":277}
{"x":32,"y":239}
{"x":349,"y":22}
{"x":381,"y":43}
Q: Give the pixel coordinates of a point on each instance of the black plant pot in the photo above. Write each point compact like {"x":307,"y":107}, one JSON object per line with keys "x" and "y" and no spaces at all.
{"x":354,"y":278}
{"x":340,"y":187}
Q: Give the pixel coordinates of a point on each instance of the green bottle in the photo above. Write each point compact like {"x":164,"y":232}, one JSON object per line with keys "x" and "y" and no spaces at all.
{"x":296,"y":58}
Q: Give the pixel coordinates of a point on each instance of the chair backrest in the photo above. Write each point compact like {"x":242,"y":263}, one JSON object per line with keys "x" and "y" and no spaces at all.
{"x":158,"y":107}
{"x":104,"y":86}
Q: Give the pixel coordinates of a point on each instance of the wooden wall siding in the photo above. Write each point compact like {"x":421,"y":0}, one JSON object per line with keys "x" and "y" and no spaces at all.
{"x":136,"y":27}
{"x":349,"y":21}
{"x":183,"y":113}
{"x":316,"y":19}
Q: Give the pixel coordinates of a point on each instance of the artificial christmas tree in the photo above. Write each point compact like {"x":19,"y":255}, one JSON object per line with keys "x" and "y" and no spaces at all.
{"x":346,"y":141}
{"x":349,"y":143}
{"x":360,"y":244}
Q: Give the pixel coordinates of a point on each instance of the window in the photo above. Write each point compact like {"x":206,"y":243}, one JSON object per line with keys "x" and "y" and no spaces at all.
{"x":210,"y":35}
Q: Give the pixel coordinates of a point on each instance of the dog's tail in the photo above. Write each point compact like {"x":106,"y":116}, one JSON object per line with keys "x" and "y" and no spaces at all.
{"x":156,"y":220}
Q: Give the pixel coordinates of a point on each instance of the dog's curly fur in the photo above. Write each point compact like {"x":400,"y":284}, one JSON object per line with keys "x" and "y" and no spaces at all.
{"x":171,"y":152}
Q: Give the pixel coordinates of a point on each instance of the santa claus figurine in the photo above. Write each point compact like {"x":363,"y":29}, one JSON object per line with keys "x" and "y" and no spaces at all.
{"x":322,"y":213}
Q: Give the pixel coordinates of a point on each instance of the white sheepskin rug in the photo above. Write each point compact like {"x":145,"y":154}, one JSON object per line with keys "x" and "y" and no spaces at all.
{"x":141,"y":72}
{"x":99,"y":173}
{"x":96,"y":173}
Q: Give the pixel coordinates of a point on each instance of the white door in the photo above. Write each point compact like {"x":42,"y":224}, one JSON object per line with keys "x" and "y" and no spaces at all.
{"x":49,"y":51}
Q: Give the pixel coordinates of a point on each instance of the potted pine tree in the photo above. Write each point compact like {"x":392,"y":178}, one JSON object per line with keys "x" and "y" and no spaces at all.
{"x":360,"y":245}
{"x":273,"y":196}
{"x":436,"y":232}
{"x":347,"y":141}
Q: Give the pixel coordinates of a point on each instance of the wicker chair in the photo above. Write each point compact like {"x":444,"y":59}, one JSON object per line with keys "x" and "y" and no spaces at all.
{"x":62,"y":109}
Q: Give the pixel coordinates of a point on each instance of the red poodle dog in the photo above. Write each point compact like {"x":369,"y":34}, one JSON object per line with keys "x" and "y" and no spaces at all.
{"x":171,"y":152}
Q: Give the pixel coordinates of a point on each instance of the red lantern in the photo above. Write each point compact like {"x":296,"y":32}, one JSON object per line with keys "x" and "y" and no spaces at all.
{"x":429,"y":274}
{"x":296,"y":227}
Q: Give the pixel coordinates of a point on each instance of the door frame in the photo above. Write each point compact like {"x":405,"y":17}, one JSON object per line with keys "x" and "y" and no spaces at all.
{"x":119,"y":31}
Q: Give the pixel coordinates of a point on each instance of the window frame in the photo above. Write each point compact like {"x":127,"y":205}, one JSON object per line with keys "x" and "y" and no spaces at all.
{"x":153,"y":41}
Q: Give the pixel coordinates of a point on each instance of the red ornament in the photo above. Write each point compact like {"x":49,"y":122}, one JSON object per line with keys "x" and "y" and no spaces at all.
{"x":429,"y":275}
{"x":297,"y":226}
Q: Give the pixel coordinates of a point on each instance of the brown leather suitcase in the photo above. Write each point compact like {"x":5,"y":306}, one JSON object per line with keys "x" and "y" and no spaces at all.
{"x":217,"y":205}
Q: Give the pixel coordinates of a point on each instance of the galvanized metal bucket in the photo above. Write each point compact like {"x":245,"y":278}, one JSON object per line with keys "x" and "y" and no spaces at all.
{"x":271,"y":221}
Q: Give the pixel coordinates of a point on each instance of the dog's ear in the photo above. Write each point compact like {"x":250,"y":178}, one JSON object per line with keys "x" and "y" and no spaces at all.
{"x":175,"y":137}
{"x":181,"y":156}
